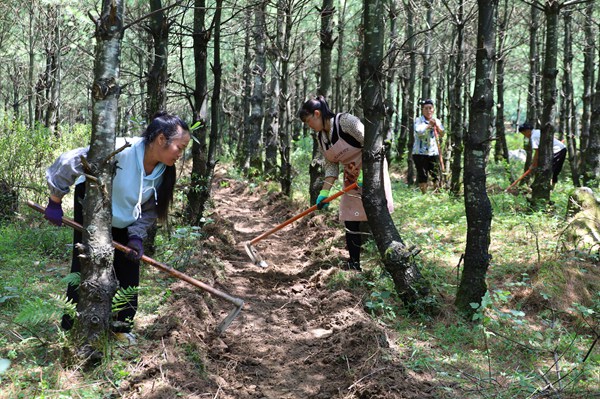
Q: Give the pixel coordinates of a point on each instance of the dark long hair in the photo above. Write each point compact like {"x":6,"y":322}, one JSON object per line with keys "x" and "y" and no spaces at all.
{"x":168,"y":125}
{"x":318,"y":103}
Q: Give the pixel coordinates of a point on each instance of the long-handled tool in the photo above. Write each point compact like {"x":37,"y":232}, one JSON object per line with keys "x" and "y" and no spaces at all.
{"x":528,"y":171}
{"x":437,"y":142}
{"x":239,"y":303}
{"x":249,"y":246}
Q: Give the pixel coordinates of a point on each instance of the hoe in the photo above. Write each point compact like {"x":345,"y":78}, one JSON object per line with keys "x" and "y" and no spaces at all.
{"x":239,"y":303}
{"x":249,"y":246}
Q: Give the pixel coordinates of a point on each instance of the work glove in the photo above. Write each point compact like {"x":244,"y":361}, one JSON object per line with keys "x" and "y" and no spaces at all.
{"x":359,"y":181}
{"x":54,"y":212}
{"x":135,"y":243}
{"x":322,"y":195}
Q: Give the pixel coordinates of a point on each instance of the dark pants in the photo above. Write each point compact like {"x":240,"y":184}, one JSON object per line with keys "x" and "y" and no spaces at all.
{"x":558,"y":160}
{"x":353,"y":240}
{"x":426,"y":166}
{"x":126,"y":271}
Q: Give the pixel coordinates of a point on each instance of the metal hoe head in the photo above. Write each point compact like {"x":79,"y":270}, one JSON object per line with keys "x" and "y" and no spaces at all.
{"x":254,"y":255}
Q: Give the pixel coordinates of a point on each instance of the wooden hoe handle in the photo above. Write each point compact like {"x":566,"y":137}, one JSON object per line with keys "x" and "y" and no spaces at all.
{"x":306,"y":212}
{"x":161,"y":266}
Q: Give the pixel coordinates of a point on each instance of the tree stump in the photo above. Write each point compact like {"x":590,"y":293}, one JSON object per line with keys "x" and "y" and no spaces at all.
{"x":583,"y":215}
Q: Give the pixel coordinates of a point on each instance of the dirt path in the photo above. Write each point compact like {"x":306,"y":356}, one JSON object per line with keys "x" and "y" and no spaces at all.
{"x":296,"y":338}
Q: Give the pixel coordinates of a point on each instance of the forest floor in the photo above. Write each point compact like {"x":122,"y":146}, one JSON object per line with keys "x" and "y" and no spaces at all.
{"x":297,"y":336}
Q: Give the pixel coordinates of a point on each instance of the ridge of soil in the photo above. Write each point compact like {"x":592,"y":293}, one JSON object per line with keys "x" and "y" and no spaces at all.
{"x":296,"y":337}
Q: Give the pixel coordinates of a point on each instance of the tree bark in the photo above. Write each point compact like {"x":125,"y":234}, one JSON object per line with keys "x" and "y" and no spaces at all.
{"x":326,"y":46}
{"x":327,"y":41}
{"x":568,"y":114}
{"x":215,"y":102}
{"x":477,"y":145}
{"x":534,"y":79}
{"x":397,"y":259}
{"x":390,"y":103}
{"x":98,"y":283}
{"x":501,"y":148}
{"x":541,"y":186}
{"x":199,"y":176}
{"x":591,"y":155}
{"x":158,"y":27}
{"x":285,"y":23}
{"x":242,"y":150}
{"x":253,"y":156}
{"x":340,"y":57}
{"x":588,"y":75}
{"x":456,"y":109}
{"x":426,"y":75}
{"x":408,"y":100}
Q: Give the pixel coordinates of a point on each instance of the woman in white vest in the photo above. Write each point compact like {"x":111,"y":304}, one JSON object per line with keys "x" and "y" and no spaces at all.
{"x":341,"y":137}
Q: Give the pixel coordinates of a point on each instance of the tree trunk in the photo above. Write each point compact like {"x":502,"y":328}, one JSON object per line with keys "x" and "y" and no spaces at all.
{"x":326,"y":46}
{"x":591,"y":156}
{"x":215,"y":103}
{"x":408,"y":103}
{"x":390,"y":103}
{"x":541,"y":186}
{"x":568,"y":117}
{"x":397,"y":259}
{"x":534,"y":79}
{"x":158,"y":26}
{"x":477,"y":145}
{"x":199,"y":175}
{"x":327,"y":42}
{"x":285,"y":23}
{"x":456,"y":109}
{"x":501,"y":148}
{"x":338,"y":97}
{"x":243,"y":152}
{"x":253,"y":156}
{"x":54,"y":48}
{"x":272,"y":118}
{"x":588,"y":75}
{"x":31,"y":67}
{"x":426,"y":75}
{"x":98,"y":283}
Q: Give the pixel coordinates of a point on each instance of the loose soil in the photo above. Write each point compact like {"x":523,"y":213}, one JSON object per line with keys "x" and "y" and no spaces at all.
{"x":297,"y":337}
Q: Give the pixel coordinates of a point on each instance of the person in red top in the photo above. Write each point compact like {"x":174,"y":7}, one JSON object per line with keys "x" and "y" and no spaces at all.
{"x":341,"y":137}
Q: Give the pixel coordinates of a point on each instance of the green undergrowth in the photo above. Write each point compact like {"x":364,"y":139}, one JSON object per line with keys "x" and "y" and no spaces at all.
{"x":34,"y":273}
{"x":535,"y":333}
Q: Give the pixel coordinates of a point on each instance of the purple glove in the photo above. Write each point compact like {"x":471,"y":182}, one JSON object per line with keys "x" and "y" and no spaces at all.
{"x":54,"y":212}
{"x":135,"y":243}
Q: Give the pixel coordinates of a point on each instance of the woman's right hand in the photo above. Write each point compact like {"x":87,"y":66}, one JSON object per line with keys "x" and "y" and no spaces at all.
{"x":54,"y":212}
{"x":320,"y":204}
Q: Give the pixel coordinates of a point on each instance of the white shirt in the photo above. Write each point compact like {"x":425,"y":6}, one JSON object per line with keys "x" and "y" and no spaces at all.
{"x":557,"y":146}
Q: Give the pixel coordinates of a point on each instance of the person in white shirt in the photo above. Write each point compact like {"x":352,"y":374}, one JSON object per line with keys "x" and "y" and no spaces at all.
{"x":559,"y":150}
{"x":425,"y":152}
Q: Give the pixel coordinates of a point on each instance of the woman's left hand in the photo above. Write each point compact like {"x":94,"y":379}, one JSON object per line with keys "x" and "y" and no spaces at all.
{"x":135,"y":243}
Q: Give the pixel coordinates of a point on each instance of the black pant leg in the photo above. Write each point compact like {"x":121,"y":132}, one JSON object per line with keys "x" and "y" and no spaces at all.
{"x":558,"y":160}
{"x":353,"y":240}
{"x":127,"y":273}
{"x":73,"y":290}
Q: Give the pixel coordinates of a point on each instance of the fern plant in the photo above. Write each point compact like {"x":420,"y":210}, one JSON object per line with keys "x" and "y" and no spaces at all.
{"x":122,"y":298}
{"x":38,"y":310}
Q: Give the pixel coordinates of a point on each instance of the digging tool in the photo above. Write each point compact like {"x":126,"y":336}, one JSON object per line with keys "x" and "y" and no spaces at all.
{"x":249,"y":246}
{"x":437,"y":142}
{"x":528,"y":171}
{"x":239,"y":303}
